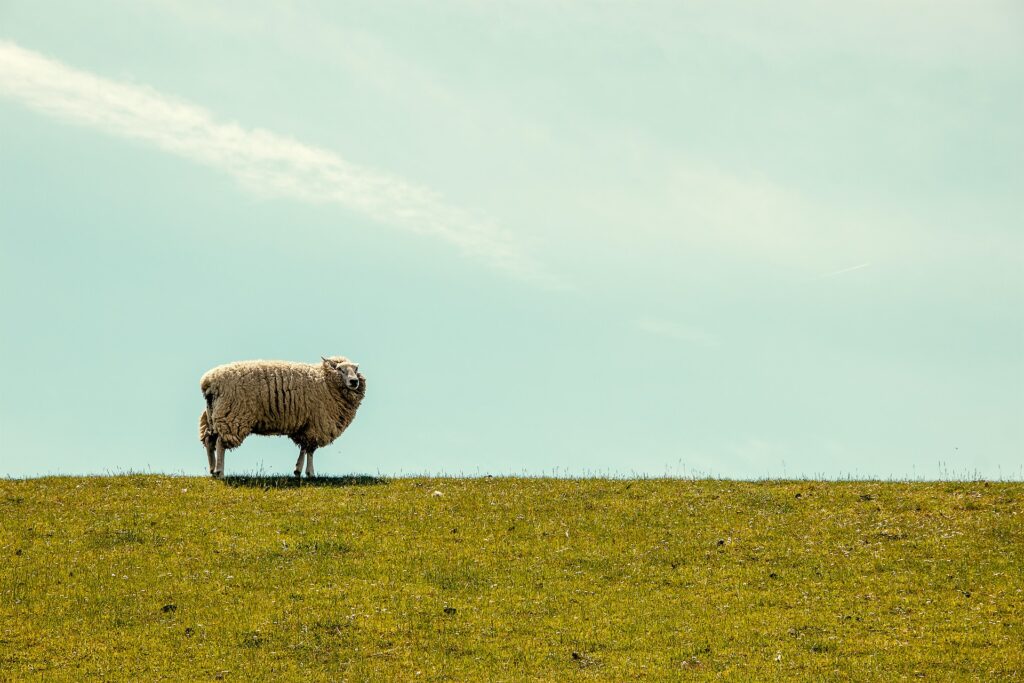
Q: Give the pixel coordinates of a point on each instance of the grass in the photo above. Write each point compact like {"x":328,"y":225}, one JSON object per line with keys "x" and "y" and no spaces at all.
{"x":149,"y":577}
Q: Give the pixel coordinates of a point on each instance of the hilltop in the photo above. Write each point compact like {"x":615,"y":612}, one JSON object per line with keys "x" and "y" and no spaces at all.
{"x":359,"y":578}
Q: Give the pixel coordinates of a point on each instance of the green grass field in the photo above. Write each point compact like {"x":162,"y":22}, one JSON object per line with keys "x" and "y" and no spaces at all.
{"x":149,"y":577}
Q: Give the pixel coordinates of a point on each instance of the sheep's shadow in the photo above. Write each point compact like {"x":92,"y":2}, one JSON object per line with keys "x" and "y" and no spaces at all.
{"x":286,"y":482}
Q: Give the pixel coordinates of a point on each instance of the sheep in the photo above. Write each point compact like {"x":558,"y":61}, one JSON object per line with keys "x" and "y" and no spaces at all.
{"x":312,"y":404}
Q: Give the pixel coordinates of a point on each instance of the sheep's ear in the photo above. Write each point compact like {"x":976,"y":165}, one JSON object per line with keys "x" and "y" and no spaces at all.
{"x":326,"y":362}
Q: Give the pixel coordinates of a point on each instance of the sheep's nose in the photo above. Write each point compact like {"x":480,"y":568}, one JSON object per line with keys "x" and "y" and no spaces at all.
{"x":354,"y":383}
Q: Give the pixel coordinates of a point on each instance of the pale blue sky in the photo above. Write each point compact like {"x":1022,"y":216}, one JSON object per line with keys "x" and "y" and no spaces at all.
{"x":736,"y":239}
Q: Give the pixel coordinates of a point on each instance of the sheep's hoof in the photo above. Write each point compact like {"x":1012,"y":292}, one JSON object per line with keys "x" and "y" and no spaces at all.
{"x":297,"y":473}
{"x":218,"y":475}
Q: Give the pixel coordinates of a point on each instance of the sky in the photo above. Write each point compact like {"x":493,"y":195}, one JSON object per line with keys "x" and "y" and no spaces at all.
{"x":573,"y":239}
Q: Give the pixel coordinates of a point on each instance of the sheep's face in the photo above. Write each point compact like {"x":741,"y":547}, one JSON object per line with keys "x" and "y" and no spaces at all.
{"x":345,"y":372}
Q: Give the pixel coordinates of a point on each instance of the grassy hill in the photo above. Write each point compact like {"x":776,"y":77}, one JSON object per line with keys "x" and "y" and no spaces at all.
{"x":144,"y":577}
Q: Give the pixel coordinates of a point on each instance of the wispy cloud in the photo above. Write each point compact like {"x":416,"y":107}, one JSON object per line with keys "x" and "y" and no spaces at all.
{"x":677,"y":332}
{"x":266,"y":163}
{"x":843,"y":270}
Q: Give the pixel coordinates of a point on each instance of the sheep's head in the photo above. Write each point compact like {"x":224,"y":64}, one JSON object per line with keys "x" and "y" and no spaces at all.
{"x":344,"y":371}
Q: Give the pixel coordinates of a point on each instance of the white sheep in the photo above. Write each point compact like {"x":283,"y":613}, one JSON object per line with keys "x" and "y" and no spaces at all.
{"x":310,"y":404}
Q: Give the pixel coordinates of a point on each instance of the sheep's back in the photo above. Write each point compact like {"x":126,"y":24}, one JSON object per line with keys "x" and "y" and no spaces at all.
{"x":275,"y":396}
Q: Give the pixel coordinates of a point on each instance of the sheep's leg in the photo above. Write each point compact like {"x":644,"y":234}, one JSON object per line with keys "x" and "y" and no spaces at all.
{"x":211,"y":442}
{"x":208,"y":437}
{"x":309,"y":463}
{"x":298,"y":463}
{"x":219,"y":466}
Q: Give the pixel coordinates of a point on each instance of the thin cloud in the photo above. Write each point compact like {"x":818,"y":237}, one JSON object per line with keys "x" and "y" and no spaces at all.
{"x":843,"y":270}
{"x":266,"y":163}
{"x":676,"y":332}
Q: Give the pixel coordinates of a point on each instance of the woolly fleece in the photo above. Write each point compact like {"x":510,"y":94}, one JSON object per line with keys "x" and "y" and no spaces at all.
{"x":309,"y":404}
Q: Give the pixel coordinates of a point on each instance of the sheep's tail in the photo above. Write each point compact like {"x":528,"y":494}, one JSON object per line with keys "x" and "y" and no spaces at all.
{"x":209,"y":407}
{"x":206,"y":428}
{"x":206,"y":421}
